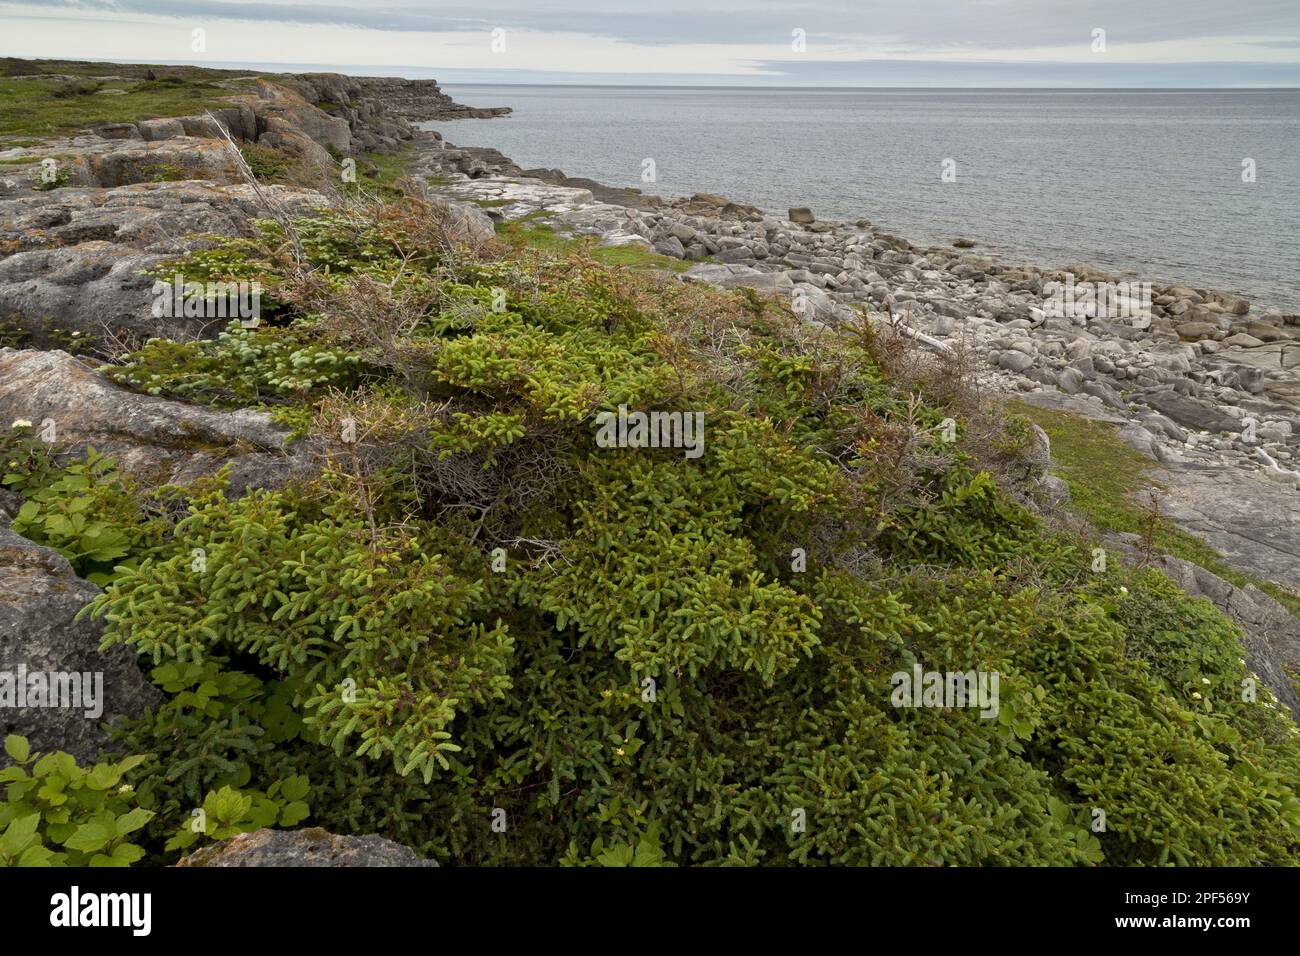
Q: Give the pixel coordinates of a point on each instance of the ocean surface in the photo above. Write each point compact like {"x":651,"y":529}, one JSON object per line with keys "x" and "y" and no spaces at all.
{"x":1148,"y":184}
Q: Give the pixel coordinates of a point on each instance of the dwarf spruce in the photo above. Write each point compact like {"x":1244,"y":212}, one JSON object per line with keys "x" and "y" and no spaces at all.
{"x":454,"y":620}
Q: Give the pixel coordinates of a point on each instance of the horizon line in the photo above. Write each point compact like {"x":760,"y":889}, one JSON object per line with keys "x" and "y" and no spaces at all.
{"x":348,"y":70}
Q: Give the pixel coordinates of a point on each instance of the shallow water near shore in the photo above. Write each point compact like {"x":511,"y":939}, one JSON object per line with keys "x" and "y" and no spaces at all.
{"x":1144,"y":183}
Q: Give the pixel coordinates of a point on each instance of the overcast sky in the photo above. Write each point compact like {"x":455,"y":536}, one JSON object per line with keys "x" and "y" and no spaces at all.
{"x":750,"y":42}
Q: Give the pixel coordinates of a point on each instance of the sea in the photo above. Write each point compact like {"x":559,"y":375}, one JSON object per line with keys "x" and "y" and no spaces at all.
{"x":1196,"y":187}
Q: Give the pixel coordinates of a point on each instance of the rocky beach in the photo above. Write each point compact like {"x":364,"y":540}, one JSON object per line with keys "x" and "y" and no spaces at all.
{"x":1200,"y":383}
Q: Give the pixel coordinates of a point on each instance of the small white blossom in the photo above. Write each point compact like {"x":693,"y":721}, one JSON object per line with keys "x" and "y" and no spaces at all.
{"x":21,"y":423}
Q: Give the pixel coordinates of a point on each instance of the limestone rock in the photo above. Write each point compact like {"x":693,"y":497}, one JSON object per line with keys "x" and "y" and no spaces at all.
{"x":79,"y":257}
{"x":154,"y":439}
{"x":39,"y":599}
{"x":309,"y":847}
{"x":465,"y":222}
{"x":1191,"y":412}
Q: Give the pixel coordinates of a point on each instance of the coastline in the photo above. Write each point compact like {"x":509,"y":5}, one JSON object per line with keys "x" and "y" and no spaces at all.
{"x":1196,"y":384}
{"x":1196,"y":392}
{"x":1024,"y":188}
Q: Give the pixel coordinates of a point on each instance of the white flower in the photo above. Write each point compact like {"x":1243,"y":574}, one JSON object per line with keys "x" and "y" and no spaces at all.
{"x":1205,"y":680}
{"x":1123,"y":590}
{"x":21,"y":423}
{"x":1196,"y":695}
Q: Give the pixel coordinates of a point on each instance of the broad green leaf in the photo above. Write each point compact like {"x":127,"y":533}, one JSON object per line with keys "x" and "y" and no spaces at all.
{"x":17,"y":748}
{"x":89,"y":837}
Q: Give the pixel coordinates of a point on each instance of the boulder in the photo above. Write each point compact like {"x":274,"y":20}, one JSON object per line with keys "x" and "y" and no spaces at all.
{"x":741,"y":212}
{"x":466,"y":222}
{"x":737,"y":254}
{"x":671,"y":246}
{"x":801,"y":215}
{"x":155,"y":129}
{"x":1014,"y":361}
{"x":1191,"y":413}
{"x":1242,"y":340}
{"x":309,"y":847}
{"x":79,"y":257}
{"x":177,"y":157}
{"x":1193,"y":331}
{"x":1267,"y":332}
{"x":1070,"y":380}
{"x":155,"y":440}
{"x":39,"y":600}
{"x":684,"y":233}
{"x":1159,"y":424}
{"x":1106,"y":393}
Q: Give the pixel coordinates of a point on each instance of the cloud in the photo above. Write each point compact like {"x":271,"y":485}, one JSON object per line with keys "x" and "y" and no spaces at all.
{"x":848,"y":42}
{"x":921,"y":24}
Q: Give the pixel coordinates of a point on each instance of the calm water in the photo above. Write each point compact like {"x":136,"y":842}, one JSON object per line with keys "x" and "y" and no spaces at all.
{"x":1147,"y":183}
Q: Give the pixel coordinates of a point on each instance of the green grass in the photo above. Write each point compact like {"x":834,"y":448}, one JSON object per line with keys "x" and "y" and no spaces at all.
{"x":380,"y":172}
{"x":538,"y":235}
{"x":18,"y":66}
{"x":1104,"y":474}
{"x":50,"y":107}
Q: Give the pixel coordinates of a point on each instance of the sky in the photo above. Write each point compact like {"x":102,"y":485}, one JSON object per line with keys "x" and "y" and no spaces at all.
{"x":1002,"y":43}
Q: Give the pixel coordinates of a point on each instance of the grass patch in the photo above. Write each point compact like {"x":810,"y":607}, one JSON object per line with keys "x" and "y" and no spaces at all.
{"x":380,"y":172}
{"x":19,"y":66}
{"x":1103,"y":474}
{"x":538,"y":235}
{"x":42,"y":108}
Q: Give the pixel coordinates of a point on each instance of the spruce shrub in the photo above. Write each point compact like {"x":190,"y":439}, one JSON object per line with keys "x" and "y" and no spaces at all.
{"x":475,"y":617}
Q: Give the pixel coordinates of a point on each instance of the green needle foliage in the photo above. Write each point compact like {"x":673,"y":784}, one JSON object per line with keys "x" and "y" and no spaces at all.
{"x":482,"y":634}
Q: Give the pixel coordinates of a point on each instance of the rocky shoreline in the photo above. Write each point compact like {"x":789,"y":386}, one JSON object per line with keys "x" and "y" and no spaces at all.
{"x":1200,"y":383}
{"x":74,"y":285}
